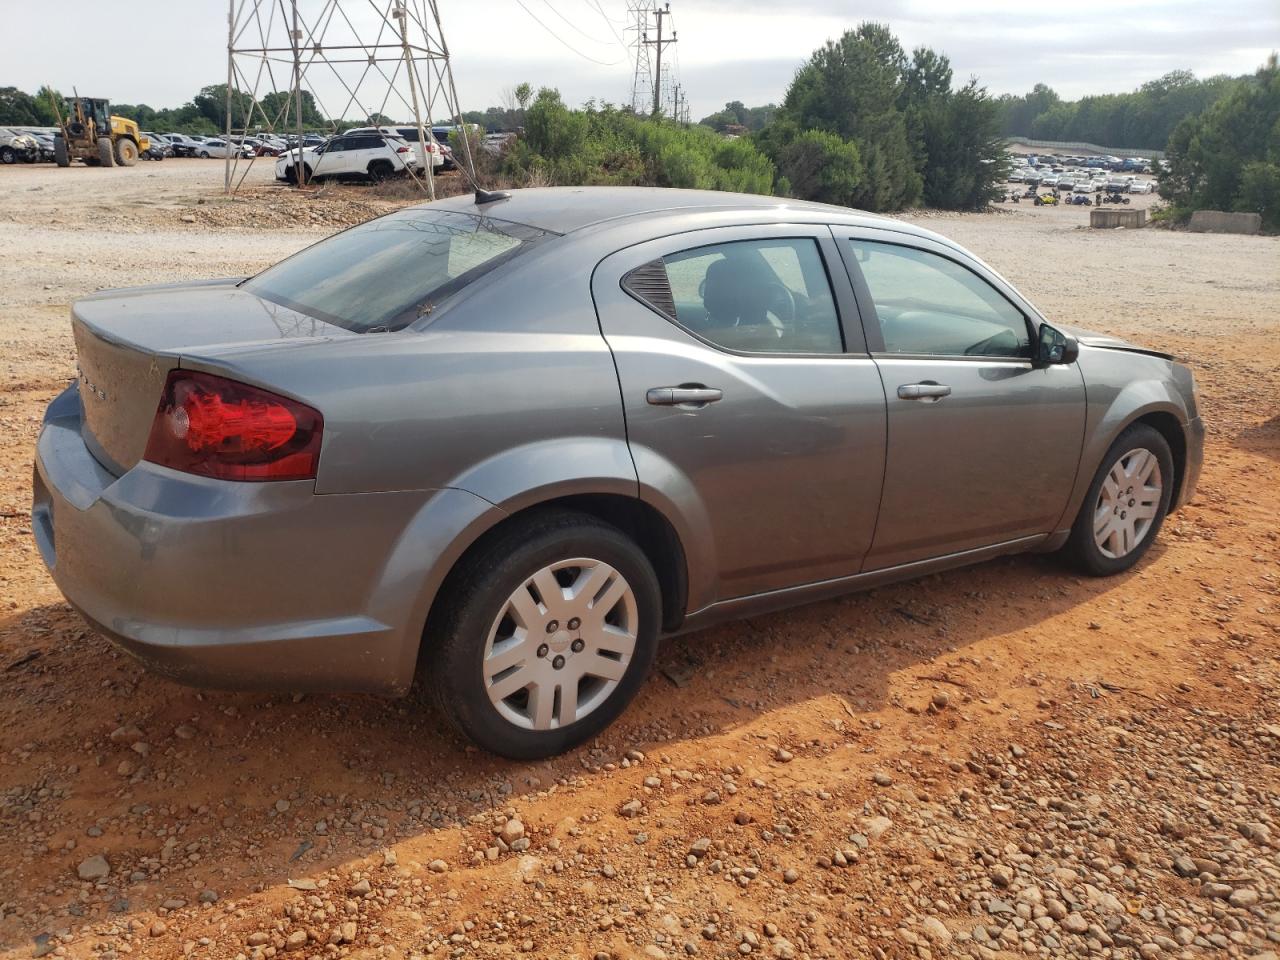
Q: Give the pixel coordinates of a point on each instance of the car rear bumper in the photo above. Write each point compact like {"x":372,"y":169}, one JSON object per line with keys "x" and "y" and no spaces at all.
{"x":243,"y":585}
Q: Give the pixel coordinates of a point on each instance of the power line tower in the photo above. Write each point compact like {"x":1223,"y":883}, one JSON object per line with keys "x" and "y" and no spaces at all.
{"x":299,"y":66}
{"x":639,"y":12}
{"x":659,"y":43}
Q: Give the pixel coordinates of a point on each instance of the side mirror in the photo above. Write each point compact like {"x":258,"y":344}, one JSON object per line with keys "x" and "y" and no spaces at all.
{"x":1054,"y":347}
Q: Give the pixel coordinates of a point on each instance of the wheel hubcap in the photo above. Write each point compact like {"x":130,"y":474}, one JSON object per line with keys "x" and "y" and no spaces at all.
{"x":1127,"y":503}
{"x":561,"y":644}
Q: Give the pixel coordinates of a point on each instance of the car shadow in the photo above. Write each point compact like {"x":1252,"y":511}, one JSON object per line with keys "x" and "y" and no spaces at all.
{"x":1263,"y":438}
{"x":313,"y":782}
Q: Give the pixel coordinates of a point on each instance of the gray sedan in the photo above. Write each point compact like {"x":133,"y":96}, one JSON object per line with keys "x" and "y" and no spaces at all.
{"x":509,"y":441}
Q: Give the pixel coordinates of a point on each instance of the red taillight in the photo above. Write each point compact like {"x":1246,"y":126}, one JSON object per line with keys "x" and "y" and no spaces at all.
{"x":431,"y":148}
{"x":402,"y":149}
{"x":216,"y":427}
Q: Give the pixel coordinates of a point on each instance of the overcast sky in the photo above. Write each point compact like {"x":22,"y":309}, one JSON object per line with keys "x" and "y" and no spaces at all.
{"x":161,"y":52}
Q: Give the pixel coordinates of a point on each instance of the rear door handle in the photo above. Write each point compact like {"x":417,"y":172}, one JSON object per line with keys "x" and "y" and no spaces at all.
{"x":927,"y":391}
{"x":675,"y":396}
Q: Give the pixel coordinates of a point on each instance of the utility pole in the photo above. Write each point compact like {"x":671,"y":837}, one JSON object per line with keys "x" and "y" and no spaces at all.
{"x":658,"y":46}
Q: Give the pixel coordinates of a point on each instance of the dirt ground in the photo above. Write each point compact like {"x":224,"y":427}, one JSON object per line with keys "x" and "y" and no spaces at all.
{"x":1005,"y":760}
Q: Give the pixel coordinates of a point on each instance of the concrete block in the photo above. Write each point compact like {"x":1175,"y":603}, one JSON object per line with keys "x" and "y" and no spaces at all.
{"x":1219,"y":221}
{"x":1111,"y":219}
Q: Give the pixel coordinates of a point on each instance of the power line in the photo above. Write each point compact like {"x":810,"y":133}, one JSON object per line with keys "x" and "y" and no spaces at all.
{"x":575,"y":27}
{"x":563,"y":41}
{"x":595,"y":5}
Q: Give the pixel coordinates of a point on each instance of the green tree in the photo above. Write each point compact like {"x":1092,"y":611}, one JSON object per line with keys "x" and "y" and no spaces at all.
{"x":18,"y":108}
{"x":851,"y":87}
{"x":1228,"y":156}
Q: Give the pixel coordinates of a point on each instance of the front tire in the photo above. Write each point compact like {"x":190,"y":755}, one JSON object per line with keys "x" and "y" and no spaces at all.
{"x":546,"y":634}
{"x":61,"y":155}
{"x":8,"y":155}
{"x":106,"y":157}
{"x":126,"y":152}
{"x":1126,"y":504}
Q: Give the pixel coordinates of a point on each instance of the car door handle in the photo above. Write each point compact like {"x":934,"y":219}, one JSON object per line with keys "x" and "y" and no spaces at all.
{"x":675,"y":396}
{"x":927,"y":391}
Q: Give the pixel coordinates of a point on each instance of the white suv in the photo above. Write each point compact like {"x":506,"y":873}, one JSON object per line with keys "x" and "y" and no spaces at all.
{"x":354,"y":154}
{"x":435,"y":150}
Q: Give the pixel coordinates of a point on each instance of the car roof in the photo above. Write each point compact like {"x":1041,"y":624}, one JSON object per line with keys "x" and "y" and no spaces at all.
{"x":566,"y":209}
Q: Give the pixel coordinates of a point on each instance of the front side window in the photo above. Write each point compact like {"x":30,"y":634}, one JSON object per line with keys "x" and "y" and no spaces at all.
{"x":384,"y":274}
{"x":931,"y":306}
{"x":750,"y":296}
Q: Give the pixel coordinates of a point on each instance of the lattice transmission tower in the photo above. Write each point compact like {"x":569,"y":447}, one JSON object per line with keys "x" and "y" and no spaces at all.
{"x":304,"y":66}
{"x":639,"y":19}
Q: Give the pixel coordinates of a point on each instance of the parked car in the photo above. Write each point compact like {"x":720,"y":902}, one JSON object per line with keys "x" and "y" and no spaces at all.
{"x":44,"y":145}
{"x":496,"y":143}
{"x":183,"y":145}
{"x":1116,"y":185}
{"x":1067,"y":181}
{"x":517,"y":437}
{"x":221,"y":149}
{"x":18,"y":147}
{"x":1142,"y":186}
{"x":159,"y":148}
{"x":408,"y":135}
{"x":1087,"y":186}
{"x":371,"y":156}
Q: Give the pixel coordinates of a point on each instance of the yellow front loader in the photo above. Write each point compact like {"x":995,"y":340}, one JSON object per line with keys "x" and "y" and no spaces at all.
{"x":88,"y":132}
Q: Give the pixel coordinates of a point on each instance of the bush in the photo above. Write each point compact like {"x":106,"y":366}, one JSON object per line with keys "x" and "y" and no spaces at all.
{"x":821,"y":166}
{"x":608,"y":146}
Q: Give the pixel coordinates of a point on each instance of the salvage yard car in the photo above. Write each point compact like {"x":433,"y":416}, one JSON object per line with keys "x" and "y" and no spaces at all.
{"x":509,"y":441}
{"x":364,"y":156}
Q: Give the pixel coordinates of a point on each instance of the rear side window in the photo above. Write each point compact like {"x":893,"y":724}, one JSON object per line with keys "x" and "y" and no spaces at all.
{"x":748,"y":296}
{"x":366,"y":142}
{"x":930,"y":306}
{"x":384,"y":274}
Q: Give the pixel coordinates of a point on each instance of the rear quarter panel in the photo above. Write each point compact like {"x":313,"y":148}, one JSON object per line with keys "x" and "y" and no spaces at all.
{"x":509,"y":392}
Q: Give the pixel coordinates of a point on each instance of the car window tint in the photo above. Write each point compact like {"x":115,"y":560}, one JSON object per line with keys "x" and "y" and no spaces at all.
{"x":388,"y":272}
{"x":756,"y":296}
{"x":932,"y":306}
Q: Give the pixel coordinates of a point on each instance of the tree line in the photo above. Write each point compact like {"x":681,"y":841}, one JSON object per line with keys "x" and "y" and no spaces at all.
{"x":205,"y":113}
{"x":1143,"y":118}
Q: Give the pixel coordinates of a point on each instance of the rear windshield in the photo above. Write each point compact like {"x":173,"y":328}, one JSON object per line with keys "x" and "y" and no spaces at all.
{"x":384,"y":274}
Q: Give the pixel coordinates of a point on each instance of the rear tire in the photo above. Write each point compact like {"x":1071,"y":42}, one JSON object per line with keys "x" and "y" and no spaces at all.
{"x":126,"y":152}
{"x":380,"y":170}
{"x":1126,"y":504}
{"x":106,"y":157}
{"x":8,"y":155}
{"x":561,"y":601}
{"x":204,"y":154}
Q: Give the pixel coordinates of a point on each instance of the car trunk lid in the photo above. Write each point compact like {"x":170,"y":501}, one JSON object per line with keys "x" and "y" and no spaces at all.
{"x":127,"y":341}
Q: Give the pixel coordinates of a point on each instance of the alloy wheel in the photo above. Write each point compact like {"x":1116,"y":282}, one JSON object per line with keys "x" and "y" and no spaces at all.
{"x":561,"y":643}
{"x":1128,"y":503}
